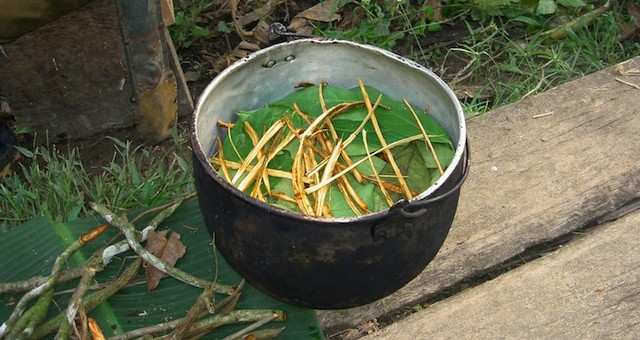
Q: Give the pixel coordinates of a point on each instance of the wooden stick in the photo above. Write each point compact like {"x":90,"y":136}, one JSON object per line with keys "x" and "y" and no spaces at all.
{"x":253,"y":135}
{"x":257,"y":174}
{"x":223,"y":164}
{"x":274,"y":148}
{"x":328,"y":170}
{"x":334,"y":135}
{"x":375,"y":172}
{"x":297,"y":169}
{"x":389,"y":186}
{"x":231,"y":142}
{"x":297,"y":185}
{"x":252,"y":175}
{"x":352,"y":195}
{"x":628,"y":83}
{"x":271,"y":172}
{"x":273,"y":129}
{"x":282,"y":196}
{"x":426,"y":137}
{"x":364,"y":159}
{"x":383,"y":142}
{"x":347,"y":197}
{"x":357,"y":131}
{"x":226,"y":124}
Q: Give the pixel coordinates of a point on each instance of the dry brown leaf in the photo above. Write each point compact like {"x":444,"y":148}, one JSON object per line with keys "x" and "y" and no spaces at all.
{"x":469,"y":92}
{"x":252,"y":40}
{"x":628,"y":30}
{"x":168,"y":250}
{"x":325,"y":11}
{"x":258,"y":37}
{"x":260,"y":13}
{"x":627,"y":72}
{"x":156,"y":242}
{"x":242,"y":50}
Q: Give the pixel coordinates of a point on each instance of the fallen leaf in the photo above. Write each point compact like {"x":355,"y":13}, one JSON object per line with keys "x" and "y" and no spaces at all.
{"x":156,"y":241}
{"x":258,"y":35}
{"x":477,"y":92}
{"x":634,"y":11}
{"x":628,"y":30}
{"x":627,"y":72}
{"x":260,"y":13}
{"x":325,"y":11}
{"x":168,"y":250}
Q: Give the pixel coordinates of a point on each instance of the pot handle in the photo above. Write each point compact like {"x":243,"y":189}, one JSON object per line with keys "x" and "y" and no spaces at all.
{"x":419,"y":208}
{"x":277,"y":33}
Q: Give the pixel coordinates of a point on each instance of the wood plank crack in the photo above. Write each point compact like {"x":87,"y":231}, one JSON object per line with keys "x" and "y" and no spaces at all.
{"x":523,"y":191}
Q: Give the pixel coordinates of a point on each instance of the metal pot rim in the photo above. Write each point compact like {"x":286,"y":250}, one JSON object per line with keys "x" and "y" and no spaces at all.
{"x":460,"y":154}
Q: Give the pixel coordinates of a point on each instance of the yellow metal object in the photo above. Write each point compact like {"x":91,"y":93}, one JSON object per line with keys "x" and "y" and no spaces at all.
{"x":156,"y":111}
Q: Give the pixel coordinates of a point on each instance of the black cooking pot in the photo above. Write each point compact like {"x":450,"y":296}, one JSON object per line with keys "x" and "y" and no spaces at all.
{"x":325,"y":263}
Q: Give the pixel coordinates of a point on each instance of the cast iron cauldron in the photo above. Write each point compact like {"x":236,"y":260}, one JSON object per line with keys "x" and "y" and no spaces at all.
{"x":325,"y":263}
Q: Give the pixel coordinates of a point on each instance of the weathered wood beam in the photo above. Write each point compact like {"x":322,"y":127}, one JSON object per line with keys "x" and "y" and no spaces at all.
{"x":148,"y":58}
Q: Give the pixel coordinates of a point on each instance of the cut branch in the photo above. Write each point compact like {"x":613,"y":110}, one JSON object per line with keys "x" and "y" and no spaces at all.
{"x":92,"y":300}
{"x":375,"y":172}
{"x":364,"y":159}
{"x":36,"y":292}
{"x":128,"y":230}
{"x":426,"y":137}
{"x":383,"y":142}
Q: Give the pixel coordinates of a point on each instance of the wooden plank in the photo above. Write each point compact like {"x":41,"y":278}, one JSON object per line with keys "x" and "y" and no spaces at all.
{"x":69,"y":79}
{"x":588,"y":289}
{"x":532,"y":180}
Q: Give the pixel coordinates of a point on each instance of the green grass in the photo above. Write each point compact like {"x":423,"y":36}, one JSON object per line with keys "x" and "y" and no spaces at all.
{"x":57,"y":185}
{"x":516,"y":68}
{"x":506,"y":51}
{"x":186,"y":30}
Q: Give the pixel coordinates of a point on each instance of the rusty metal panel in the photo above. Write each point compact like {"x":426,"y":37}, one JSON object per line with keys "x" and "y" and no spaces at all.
{"x":69,"y":78}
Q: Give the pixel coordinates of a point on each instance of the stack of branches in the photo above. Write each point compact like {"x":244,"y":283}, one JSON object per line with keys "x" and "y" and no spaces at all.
{"x":29,"y":319}
{"x":320,"y":159}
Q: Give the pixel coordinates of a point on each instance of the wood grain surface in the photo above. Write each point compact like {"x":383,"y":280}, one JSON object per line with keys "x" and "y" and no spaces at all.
{"x":586,"y":290}
{"x":541,"y":168}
